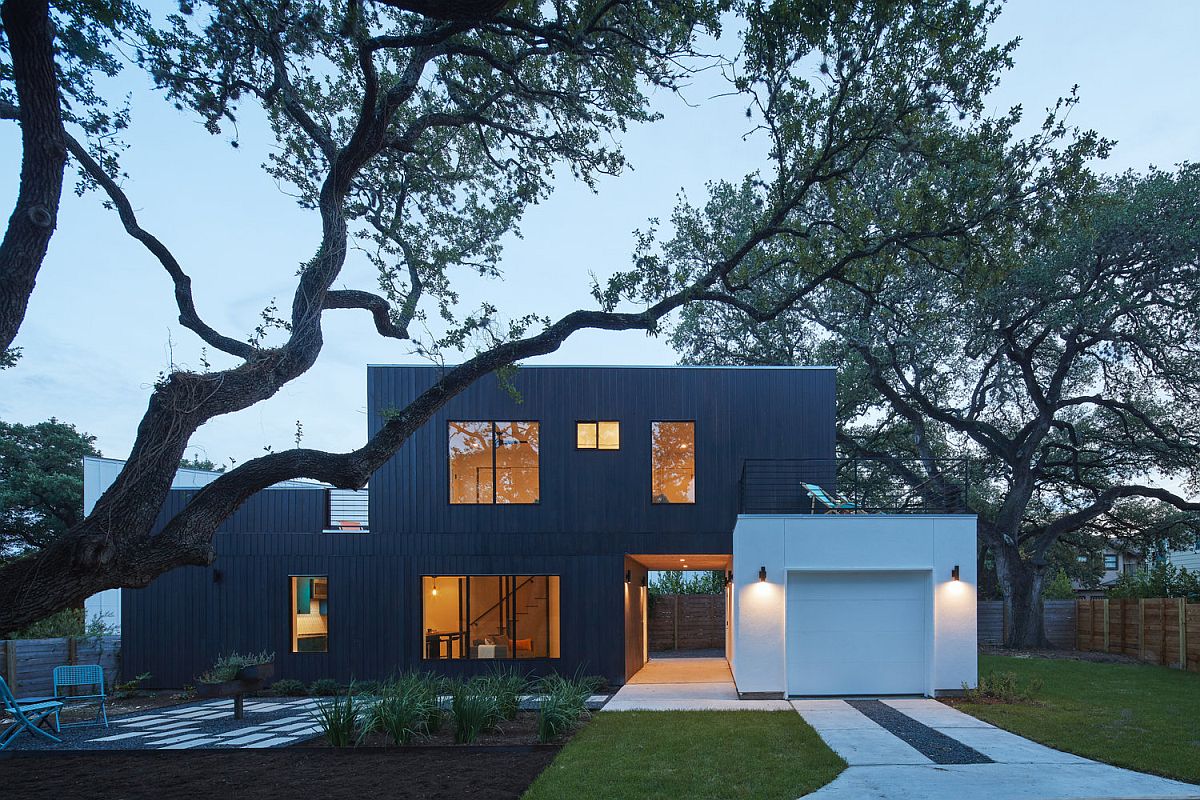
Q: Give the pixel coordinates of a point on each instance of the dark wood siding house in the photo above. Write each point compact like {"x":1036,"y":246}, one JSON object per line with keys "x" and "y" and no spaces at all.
{"x":518,"y":524}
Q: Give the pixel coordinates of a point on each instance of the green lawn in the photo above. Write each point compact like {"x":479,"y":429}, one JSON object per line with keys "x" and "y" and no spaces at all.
{"x":699,"y":755}
{"x":1137,"y":716}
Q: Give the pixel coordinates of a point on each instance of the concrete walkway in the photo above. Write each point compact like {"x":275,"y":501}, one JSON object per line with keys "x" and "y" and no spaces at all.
{"x":686,"y":684}
{"x":884,"y":767}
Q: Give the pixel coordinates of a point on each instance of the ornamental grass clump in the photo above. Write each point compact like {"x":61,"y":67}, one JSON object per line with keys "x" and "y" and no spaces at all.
{"x":402,"y":716}
{"x":475,"y":710}
{"x":507,"y":685}
{"x":564,"y":703}
{"x":341,"y":719}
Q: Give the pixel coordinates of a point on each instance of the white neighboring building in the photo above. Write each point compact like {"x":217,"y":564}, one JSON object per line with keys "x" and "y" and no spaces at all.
{"x":1187,"y":559}
{"x":853,"y":604}
{"x":99,"y":474}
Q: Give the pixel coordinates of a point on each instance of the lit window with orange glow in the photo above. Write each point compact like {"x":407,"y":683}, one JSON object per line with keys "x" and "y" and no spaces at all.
{"x":310,"y":614}
{"x":598,"y":435}
{"x":490,"y":617}
{"x":494,"y":463}
{"x":673,"y":462}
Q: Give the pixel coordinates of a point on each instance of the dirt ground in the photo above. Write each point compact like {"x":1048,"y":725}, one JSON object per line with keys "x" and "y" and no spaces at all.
{"x":1073,"y":655}
{"x":420,"y":774}
{"x":516,"y":732}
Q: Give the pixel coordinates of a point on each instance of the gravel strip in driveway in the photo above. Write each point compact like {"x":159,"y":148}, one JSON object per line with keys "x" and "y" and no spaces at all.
{"x":934,"y":745}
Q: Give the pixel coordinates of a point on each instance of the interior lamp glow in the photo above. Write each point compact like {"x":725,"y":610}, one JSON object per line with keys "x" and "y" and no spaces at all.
{"x":434,"y":591}
{"x":762,"y":574}
{"x":954,"y":573}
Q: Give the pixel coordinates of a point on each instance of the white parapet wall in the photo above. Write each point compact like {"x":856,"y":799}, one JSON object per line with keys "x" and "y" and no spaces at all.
{"x":853,"y":604}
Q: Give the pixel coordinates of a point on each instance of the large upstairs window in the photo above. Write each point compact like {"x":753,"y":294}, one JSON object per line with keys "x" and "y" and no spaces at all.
{"x":490,"y":616}
{"x":494,"y":462}
{"x":673,"y":462}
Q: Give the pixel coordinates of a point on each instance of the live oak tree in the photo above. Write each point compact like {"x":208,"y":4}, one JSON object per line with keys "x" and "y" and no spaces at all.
{"x":419,"y":132}
{"x":41,"y":483}
{"x":1063,"y":355}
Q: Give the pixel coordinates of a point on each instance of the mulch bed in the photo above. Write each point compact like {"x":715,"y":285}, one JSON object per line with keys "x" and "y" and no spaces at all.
{"x":518,"y":732}
{"x":419,"y":774}
{"x":1070,"y":655}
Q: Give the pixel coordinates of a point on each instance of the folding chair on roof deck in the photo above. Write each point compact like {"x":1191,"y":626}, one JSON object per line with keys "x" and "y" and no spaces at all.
{"x":831,"y":500}
{"x":26,"y":715}
{"x":88,"y":676}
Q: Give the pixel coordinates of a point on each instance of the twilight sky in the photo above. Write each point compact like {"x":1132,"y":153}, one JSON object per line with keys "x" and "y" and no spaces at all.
{"x":102,"y":321}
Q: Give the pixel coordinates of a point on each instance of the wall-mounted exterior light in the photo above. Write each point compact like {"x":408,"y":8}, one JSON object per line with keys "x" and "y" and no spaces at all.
{"x":954,"y":573}
{"x":628,"y":576}
{"x":762,"y":574}
{"x":729,"y":578}
{"x":644,"y":580}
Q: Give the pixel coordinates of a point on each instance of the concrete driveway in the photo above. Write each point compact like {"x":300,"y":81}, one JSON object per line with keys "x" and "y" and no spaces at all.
{"x":921,"y":749}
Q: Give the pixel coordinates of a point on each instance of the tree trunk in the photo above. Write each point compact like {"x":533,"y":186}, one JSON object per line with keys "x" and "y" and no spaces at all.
{"x":44,"y":157}
{"x":1021,"y":582}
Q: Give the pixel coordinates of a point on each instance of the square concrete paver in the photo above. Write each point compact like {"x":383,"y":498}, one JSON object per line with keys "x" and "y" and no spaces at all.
{"x":864,"y":746}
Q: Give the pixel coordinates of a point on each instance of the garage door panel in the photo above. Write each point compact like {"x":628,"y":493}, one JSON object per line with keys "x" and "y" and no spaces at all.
{"x":868,"y":615}
{"x":857,"y":632}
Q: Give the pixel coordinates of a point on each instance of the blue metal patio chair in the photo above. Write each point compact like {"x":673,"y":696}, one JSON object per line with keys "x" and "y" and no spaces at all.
{"x":89,"y":676}
{"x":831,"y":500}
{"x":27,"y":715}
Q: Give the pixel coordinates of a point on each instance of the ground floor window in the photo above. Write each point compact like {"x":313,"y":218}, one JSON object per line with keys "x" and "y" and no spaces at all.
{"x":310,"y":614}
{"x":490,"y":616}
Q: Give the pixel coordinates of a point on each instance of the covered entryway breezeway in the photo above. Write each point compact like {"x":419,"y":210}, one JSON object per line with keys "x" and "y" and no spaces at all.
{"x":707,"y":637}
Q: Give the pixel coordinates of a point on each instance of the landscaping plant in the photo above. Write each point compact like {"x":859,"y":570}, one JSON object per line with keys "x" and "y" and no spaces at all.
{"x":226,"y":668}
{"x":507,"y":684}
{"x":288,"y":687}
{"x":131,"y":688}
{"x":564,"y":702}
{"x":1003,"y":687}
{"x":475,"y":710}
{"x":402,"y":712}
{"x":341,"y":719}
{"x":324,"y":687}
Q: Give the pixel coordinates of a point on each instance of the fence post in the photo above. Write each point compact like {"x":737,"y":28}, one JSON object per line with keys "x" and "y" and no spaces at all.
{"x":10,"y":660}
{"x":1141,"y":629}
{"x":675,"y":619}
{"x":1182,"y":632}
{"x":1105,"y":624}
{"x":72,"y":650}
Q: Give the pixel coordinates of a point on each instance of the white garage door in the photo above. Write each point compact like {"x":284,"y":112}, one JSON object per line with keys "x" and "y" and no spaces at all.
{"x":857,"y":632}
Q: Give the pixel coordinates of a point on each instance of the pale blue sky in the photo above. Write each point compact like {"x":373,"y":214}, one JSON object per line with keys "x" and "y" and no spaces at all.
{"x":101,"y":323}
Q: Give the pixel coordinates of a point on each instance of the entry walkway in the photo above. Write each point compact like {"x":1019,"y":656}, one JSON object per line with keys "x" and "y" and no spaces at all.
{"x":897,"y":750}
{"x":686,"y":684}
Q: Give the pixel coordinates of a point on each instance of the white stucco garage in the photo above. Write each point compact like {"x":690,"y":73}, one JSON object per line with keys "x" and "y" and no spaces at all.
{"x":853,"y":604}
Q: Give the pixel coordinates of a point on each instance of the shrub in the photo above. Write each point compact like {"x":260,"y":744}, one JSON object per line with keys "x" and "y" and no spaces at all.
{"x":131,"y":688}
{"x":341,"y":719}
{"x":475,"y":711}
{"x":226,"y":668}
{"x":506,"y":684}
{"x":324,"y":687}
{"x":370,"y":688}
{"x":564,"y":702}
{"x":401,"y":715}
{"x":1003,"y":687}
{"x":288,"y":687}
{"x":428,"y":687}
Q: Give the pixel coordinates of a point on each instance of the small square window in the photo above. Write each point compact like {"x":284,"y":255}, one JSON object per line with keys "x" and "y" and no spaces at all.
{"x":598,"y":435}
{"x":1110,"y":561}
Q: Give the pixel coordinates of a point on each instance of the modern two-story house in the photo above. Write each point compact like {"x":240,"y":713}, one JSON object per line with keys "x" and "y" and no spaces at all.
{"x":520,"y":523}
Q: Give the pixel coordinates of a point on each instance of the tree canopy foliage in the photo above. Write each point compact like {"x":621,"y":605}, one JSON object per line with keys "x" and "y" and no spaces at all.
{"x":1060,"y":353}
{"x":421,"y":133}
{"x":41,"y":483}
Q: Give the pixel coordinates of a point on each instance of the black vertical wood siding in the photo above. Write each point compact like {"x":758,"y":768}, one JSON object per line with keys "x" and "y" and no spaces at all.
{"x":595,"y":508}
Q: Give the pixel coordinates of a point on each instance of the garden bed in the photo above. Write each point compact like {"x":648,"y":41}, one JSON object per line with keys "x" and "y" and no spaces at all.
{"x":421,"y":773}
{"x":518,"y":732}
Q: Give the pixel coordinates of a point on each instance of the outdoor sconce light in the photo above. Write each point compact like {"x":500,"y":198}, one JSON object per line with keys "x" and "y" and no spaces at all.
{"x":643,"y":580}
{"x":729,"y":577}
{"x":954,"y":573}
{"x":628,"y":576}
{"x":762,"y":574}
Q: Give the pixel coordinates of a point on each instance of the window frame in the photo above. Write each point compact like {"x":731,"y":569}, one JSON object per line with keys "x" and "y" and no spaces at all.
{"x":598,"y":448}
{"x":492,"y":422}
{"x":294,"y":613}
{"x":1116,"y":561}
{"x":421,"y":641}
{"x":695,"y":467}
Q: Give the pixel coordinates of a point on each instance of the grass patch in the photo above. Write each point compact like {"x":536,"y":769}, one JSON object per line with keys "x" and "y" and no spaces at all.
{"x":1132,"y":715}
{"x":700,"y":755}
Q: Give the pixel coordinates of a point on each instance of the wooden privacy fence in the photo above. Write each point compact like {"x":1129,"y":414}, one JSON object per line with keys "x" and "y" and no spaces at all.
{"x":687,"y":622}
{"x":1159,"y":630}
{"x":28,"y":664}
{"x":1058,"y":617}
